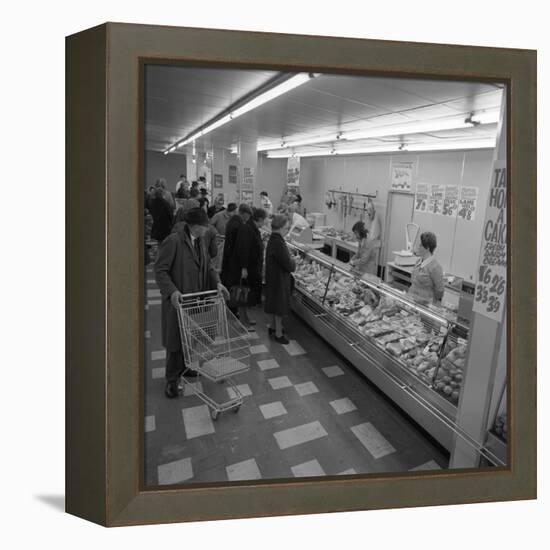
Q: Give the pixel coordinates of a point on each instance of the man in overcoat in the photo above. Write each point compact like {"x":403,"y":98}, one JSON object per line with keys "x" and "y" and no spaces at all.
{"x":182,"y":267}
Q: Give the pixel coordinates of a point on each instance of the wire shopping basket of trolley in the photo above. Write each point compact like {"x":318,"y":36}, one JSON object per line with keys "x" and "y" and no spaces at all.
{"x":215,"y":345}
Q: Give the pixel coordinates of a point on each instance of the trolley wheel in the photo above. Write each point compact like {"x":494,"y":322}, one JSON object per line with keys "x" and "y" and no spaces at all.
{"x":236,"y":409}
{"x":222,"y":381}
{"x":214,"y":415}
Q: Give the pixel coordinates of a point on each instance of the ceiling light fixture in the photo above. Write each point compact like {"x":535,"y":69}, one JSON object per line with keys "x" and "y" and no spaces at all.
{"x":261,"y":99}
{"x":486,"y":143}
{"x":489,"y":116}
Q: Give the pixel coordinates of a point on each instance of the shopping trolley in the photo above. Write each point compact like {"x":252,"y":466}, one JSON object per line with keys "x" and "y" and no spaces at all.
{"x":215,"y":345}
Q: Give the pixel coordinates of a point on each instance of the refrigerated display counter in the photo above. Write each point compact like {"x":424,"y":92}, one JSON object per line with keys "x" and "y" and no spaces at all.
{"x":415,"y":354}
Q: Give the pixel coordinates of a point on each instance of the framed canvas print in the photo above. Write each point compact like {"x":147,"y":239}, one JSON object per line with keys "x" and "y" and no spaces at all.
{"x":345,"y":321}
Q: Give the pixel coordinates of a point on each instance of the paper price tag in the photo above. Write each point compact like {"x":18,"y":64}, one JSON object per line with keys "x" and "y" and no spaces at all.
{"x":490,"y":291}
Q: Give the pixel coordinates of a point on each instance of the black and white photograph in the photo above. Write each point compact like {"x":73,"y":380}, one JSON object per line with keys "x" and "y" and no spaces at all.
{"x":325,"y":275}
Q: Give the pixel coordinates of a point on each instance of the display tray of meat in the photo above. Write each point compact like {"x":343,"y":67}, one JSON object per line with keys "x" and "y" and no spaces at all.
{"x":501,"y":427}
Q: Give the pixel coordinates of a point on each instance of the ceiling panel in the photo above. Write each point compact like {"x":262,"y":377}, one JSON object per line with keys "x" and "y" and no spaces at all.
{"x":180,"y":99}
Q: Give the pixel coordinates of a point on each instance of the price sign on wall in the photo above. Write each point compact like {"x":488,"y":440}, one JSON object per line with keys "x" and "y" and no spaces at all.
{"x":490,"y":294}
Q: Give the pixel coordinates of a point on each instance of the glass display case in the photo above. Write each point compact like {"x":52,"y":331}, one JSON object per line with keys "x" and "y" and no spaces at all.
{"x":497,"y":433}
{"x":414,"y":353}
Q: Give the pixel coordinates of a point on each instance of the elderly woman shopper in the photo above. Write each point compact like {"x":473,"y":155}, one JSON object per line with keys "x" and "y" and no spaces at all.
{"x":245,"y":265}
{"x":427,"y":283}
{"x":364,"y":261}
{"x":182,"y":267}
{"x":279,"y":266}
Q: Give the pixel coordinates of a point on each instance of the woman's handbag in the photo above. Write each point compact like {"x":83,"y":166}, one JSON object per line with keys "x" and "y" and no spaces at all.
{"x":238,"y":295}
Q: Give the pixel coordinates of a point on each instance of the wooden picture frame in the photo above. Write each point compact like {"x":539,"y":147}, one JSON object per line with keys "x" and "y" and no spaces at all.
{"x":104,"y":259}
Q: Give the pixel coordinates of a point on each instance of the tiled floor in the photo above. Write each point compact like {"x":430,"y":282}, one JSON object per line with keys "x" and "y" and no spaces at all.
{"x":306,"y":412}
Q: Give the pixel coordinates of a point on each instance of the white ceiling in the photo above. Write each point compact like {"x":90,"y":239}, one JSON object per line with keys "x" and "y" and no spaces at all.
{"x":178,"y":100}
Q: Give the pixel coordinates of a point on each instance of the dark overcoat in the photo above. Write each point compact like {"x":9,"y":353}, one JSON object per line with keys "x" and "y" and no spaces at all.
{"x":278,"y":267}
{"x":163,"y":218}
{"x":179,"y":267}
{"x":248,"y":252}
{"x":231,"y":230}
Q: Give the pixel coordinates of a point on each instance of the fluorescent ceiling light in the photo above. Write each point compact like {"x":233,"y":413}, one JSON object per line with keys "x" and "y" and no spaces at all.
{"x":487,"y":143}
{"x":261,"y":99}
{"x":414,"y":127}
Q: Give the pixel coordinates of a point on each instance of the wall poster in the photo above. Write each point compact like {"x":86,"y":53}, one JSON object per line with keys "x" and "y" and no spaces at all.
{"x":436,"y":198}
{"x":490,"y":290}
{"x":421,"y":198}
{"x":218,"y":181}
{"x":401,"y":178}
{"x":450,"y":202}
{"x":467,"y":203}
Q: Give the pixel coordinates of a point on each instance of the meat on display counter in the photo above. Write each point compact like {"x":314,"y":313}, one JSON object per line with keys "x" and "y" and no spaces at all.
{"x":414,"y":354}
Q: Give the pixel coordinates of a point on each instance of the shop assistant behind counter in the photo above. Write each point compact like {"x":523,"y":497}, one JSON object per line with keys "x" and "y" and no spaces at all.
{"x":427,"y":283}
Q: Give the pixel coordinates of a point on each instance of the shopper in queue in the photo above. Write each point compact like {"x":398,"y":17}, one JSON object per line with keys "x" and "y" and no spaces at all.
{"x":266,"y":203}
{"x":245,"y":265}
{"x":192,"y":201}
{"x":162,"y":213}
{"x":365,"y":259}
{"x":204,"y":202}
{"x":209,"y":237}
{"x":219,"y":221}
{"x":182,"y":267}
{"x":278,"y":269}
{"x":244,"y":213}
{"x":218,"y":206}
{"x":427,"y":283}
{"x":182,"y":187}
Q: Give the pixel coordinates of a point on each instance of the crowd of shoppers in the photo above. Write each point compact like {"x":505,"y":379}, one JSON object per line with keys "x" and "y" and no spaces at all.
{"x":203,"y":246}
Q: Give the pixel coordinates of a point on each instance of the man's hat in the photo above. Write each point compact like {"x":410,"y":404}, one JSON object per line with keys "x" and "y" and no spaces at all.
{"x":196,"y":216}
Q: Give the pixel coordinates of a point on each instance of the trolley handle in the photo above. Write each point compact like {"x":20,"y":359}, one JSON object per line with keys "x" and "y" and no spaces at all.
{"x":206,"y":293}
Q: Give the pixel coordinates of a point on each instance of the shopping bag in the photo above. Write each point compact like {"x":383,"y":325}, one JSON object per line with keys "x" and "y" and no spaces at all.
{"x":238,"y":295}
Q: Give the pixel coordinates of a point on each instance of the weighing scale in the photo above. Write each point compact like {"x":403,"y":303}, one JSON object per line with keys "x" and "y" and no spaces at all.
{"x":406,"y":257}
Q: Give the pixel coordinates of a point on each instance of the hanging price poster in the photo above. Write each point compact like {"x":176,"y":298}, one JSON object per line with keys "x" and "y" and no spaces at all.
{"x":436,"y":198}
{"x":490,"y":293}
{"x":421,"y":197}
{"x":402,"y":176}
{"x":293,"y":173}
{"x":232,"y":174}
{"x":467,"y":203}
{"x":248,"y":178}
{"x":450,"y":202}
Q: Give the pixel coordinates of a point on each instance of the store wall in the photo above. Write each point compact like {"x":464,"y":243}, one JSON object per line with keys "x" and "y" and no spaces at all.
{"x":271,"y":178}
{"x":458,"y":240}
{"x":169,"y":167}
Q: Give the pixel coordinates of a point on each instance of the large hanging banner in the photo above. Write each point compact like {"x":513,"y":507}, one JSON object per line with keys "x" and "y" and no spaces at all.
{"x":421,"y":197}
{"x":467,"y":203}
{"x":401,"y":178}
{"x":436,"y":198}
{"x":491,"y":285}
{"x":293,"y":174}
{"x":450,"y":202}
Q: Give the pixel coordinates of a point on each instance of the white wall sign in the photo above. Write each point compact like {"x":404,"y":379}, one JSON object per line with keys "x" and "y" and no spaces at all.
{"x":421,"y":198}
{"x":491,"y":286}
{"x":467,"y":203}
{"x":402,"y":176}
{"x":436,"y":198}
{"x":450,"y":202}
